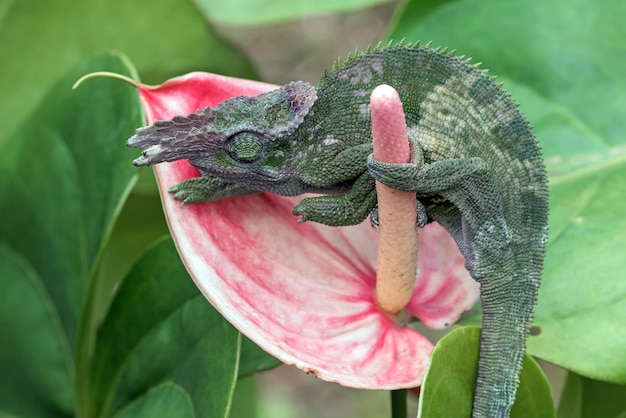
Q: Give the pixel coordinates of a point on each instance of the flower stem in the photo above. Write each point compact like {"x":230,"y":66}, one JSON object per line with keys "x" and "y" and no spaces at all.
{"x":398,"y":403}
{"x":104,"y":74}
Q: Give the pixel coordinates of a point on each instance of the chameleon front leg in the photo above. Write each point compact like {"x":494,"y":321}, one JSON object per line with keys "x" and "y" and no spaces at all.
{"x":349,"y":208}
{"x":207,"y":189}
{"x":508,"y":284}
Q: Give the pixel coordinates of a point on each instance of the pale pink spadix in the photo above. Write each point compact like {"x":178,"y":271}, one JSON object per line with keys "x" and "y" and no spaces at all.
{"x":397,"y":210}
{"x":305,"y":293}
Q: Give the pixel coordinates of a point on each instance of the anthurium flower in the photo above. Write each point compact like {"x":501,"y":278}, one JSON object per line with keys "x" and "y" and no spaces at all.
{"x":305,"y":293}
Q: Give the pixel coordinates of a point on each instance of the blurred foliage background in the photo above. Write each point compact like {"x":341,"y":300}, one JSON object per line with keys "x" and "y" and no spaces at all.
{"x":563,"y":60}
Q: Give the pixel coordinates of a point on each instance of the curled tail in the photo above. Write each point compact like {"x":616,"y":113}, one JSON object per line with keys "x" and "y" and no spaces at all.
{"x":507,"y":305}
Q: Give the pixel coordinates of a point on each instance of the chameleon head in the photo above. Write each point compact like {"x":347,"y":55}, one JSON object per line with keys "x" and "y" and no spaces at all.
{"x":243,"y":137}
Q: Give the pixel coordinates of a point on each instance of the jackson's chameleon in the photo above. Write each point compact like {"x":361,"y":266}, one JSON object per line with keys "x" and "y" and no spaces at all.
{"x":475,"y":167}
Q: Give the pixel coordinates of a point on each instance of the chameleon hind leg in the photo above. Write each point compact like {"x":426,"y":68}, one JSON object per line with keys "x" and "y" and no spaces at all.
{"x":508,"y":293}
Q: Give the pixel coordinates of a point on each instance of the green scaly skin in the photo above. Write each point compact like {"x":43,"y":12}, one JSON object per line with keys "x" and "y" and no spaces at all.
{"x":476,"y":169}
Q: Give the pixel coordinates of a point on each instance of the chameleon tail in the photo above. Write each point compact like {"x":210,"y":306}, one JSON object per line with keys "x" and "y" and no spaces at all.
{"x":507,"y":314}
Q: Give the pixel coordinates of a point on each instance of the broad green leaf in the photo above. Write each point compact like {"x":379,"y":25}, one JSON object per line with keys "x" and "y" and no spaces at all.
{"x":587,"y":398}
{"x":259,"y":12}
{"x":450,"y":381}
{"x":167,"y":400}
{"x":41,"y":40}
{"x":62,"y":180}
{"x":566,"y":69}
{"x":574,"y":59}
{"x":253,"y":359}
{"x":582,"y":302}
{"x":140,"y":224}
{"x":245,"y":402}
{"x":567,"y":143}
{"x":35,"y":362}
{"x":161,"y":331}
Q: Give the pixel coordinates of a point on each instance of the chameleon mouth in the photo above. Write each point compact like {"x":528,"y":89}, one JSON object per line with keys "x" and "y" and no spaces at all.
{"x":247,"y":174}
{"x":167,"y":149}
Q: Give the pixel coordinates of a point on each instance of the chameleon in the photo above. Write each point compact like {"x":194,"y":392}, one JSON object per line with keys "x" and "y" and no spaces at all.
{"x":475,"y":167}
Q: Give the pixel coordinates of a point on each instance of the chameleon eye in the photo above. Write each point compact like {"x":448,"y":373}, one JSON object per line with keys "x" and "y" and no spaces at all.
{"x":244,"y":147}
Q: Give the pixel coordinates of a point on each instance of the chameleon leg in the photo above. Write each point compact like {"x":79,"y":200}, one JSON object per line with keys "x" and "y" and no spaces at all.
{"x":350,"y":208}
{"x":426,"y":178}
{"x":346,"y":166}
{"x":495,"y":257}
{"x":207,"y":189}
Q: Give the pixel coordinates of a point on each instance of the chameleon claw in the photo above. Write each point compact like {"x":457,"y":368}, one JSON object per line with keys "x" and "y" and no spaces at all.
{"x":297,"y":211}
{"x":180,"y":194}
{"x":374,"y":218}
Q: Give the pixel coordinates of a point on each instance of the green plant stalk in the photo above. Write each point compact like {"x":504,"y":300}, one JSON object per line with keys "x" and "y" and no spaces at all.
{"x":398,"y":403}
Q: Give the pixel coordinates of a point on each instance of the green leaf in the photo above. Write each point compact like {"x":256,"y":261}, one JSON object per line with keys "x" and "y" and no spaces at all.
{"x":587,"y":398}
{"x":253,"y":359}
{"x":582,"y":300}
{"x":139,"y":225}
{"x":161,"y":339}
{"x":34,"y":356}
{"x":62,"y":180}
{"x":42,"y":40}
{"x":566,"y":70}
{"x":566,"y":142}
{"x":572,"y":59}
{"x":450,"y":381}
{"x":167,"y":400}
{"x":244,"y":402}
{"x":257,"y":12}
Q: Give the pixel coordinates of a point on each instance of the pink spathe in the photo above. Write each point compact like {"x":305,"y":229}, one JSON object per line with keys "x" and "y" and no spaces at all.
{"x":305,"y":293}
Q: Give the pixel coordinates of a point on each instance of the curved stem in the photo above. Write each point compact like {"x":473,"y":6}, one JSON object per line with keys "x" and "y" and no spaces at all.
{"x":104,"y":74}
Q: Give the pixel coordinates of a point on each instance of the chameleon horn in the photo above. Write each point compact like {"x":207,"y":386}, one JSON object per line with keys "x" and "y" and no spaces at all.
{"x":179,"y":138}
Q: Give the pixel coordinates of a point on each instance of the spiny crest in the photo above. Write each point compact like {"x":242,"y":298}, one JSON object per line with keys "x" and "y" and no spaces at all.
{"x":341,"y":63}
{"x":465,"y":61}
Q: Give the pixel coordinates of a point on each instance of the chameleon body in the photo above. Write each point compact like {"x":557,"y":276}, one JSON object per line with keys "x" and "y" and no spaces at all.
{"x":475,"y":167}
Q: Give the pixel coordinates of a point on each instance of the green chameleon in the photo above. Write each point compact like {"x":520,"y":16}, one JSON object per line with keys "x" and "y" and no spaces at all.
{"x":475,"y":167}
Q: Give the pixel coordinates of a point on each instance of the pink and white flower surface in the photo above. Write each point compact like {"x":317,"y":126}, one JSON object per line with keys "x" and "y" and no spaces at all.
{"x":305,"y":293}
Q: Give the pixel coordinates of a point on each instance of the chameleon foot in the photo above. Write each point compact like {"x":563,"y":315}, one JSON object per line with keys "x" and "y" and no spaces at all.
{"x":207,"y":189}
{"x":350,"y":208}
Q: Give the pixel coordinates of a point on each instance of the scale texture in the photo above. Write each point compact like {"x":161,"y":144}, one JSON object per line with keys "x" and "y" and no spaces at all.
{"x":475,"y":167}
